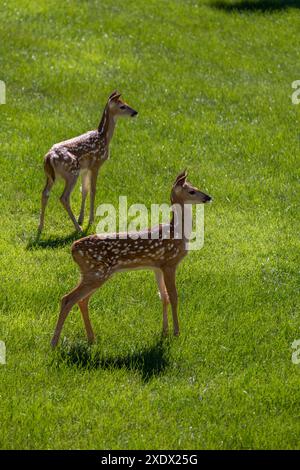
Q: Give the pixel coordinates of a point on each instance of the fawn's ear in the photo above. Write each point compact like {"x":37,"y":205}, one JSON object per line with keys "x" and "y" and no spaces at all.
{"x":114,"y":95}
{"x":181,"y":178}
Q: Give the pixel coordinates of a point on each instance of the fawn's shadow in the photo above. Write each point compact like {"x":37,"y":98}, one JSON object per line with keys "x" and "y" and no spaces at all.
{"x":149,"y":362}
{"x":54,"y":242}
{"x":255,"y":5}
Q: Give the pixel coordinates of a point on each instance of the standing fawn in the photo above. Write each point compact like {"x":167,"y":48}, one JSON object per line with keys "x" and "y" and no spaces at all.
{"x":100,"y":256}
{"x":83,"y":154}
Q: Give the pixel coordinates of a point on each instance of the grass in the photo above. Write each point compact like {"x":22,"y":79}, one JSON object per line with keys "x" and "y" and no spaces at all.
{"x":212,"y":84}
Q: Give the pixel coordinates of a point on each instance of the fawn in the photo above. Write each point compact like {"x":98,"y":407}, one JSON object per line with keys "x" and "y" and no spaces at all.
{"x":100,"y":256}
{"x":83,"y":154}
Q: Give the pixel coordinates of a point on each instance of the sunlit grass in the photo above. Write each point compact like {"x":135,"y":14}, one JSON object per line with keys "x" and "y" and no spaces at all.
{"x":213,"y":89}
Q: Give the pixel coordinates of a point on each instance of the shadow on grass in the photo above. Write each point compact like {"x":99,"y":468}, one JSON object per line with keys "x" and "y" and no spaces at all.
{"x":255,"y":5}
{"x":149,"y":362}
{"x":54,"y":242}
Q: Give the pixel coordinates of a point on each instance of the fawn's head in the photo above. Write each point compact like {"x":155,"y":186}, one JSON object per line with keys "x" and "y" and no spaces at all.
{"x":118,"y":107}
{"x":184,"y":192}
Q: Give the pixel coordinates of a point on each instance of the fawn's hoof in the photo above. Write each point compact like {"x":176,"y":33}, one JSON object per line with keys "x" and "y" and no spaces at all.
{"x":54,"y":342}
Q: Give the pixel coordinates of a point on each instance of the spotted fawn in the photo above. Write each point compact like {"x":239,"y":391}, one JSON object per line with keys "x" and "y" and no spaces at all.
{"x":82,"y":155}
{"x":101,"y":256}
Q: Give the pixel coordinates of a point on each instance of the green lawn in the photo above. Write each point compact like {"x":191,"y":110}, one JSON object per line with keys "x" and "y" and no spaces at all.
{"x":212,"y":86}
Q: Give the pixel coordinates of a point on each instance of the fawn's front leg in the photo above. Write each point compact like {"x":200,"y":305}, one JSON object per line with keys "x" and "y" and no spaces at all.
{"x":164,"y":298}
{"x":84,"y":191}
{"x":94,"y":175}
{"x":65,"y":199}
{"x":170,"y":281}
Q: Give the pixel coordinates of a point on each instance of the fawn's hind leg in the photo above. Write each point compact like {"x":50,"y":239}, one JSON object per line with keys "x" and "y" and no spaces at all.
{"x":99,"y":276}
{"x":84,"y":308}
{"x":89,"y":283}
{"x":68,"y":301}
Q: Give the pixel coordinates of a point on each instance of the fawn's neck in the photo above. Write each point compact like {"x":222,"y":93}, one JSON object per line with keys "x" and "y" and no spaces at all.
{"x":181,"y":222}
{"x":107,"y":125}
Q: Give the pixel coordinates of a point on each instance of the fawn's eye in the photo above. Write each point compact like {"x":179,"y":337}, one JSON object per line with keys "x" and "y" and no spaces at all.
{"x":122,"y":107}
{"x":192,"y":192}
